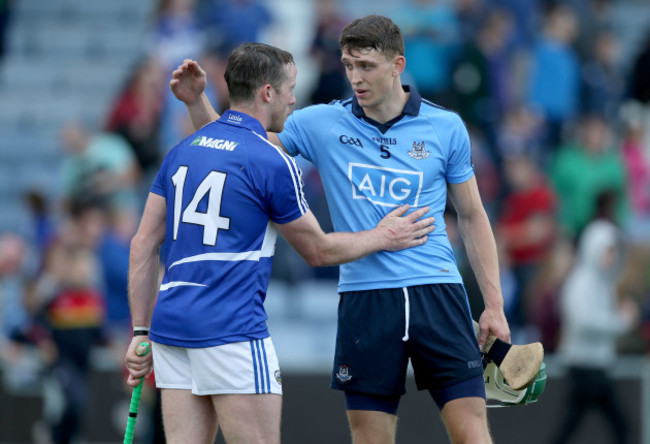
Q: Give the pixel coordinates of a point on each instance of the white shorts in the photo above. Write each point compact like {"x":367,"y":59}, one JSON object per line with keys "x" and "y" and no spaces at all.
{"x":239,"y":368}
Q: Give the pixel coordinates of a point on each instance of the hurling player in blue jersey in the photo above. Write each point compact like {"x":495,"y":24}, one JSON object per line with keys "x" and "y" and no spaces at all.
{"x":212,"y":211}
{"x":384,"y":147}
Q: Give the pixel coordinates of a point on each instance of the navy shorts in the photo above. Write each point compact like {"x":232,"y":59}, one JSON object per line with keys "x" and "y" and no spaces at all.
{"x":380,"y":330}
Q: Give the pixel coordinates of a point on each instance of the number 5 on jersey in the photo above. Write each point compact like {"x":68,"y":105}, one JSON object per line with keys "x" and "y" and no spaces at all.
{"x":211,"y":220}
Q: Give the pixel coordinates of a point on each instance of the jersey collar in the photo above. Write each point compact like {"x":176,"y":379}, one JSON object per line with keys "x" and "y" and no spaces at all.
{"x":411,"y":108}
{"x":235,"y":118}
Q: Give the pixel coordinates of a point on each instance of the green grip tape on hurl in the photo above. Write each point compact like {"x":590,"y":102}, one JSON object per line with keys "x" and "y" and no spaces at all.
{"x":135,"y":402}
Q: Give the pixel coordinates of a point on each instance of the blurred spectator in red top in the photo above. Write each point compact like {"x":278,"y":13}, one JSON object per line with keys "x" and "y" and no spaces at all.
{"x":136,"y":114}
{"x":526,"y":227}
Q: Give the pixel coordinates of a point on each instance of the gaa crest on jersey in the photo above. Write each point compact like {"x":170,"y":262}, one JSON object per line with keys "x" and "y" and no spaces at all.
{"x":278,"y":377}
{"x":419,"y":151}
{"x":347,"y":140}
{"x":343,"y":375}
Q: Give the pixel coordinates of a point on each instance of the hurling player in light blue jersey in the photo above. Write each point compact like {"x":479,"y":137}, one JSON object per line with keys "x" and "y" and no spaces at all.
{"x":385,"y":147}
{"x":213,"y":211}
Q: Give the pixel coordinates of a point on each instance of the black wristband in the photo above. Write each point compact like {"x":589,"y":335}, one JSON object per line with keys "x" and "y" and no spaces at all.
{"x":140,"y":332}
{"x":498,"y":351}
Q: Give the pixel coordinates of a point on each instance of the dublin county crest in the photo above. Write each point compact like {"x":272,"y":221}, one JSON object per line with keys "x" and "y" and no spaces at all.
{"x":419,"y":152}
{"x":343,"y":375}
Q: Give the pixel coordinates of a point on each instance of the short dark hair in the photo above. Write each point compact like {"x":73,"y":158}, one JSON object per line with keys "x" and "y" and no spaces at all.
{"x":252,"y":65}
{"x":375,"y":32}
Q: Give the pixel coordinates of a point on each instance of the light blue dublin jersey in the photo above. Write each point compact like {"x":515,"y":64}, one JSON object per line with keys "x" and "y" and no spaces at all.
{"x":368,"y":169}
{"x":223,"y":185}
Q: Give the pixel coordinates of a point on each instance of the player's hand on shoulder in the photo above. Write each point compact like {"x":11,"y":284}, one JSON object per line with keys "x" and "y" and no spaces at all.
{"x":406,"y":230}
{"x":188,"y":81}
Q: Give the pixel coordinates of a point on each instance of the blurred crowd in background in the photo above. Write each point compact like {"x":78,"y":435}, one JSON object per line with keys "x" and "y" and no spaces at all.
{"x":560,"y":128}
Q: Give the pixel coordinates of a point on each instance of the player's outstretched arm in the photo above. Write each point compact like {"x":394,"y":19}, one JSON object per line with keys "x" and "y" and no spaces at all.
{"x":188,"y":85}
{"x":396,"y":231}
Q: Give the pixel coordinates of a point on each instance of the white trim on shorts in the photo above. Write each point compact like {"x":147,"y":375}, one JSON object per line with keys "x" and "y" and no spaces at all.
{"x":248,"y":367}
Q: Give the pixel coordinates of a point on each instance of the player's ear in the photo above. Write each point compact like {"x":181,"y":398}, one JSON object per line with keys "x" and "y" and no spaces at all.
{"x":399,"y":63}
{"x":266,"y":93}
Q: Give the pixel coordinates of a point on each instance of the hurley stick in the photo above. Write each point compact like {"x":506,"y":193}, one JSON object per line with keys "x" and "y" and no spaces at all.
{"x":519,"y":364}
{"x":141,"y":350}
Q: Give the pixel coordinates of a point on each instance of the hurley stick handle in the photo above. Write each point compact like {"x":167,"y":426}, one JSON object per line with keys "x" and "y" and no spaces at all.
{"x":141,"y":350}
{"x":519,"y":364}
{"x":494,"y":348}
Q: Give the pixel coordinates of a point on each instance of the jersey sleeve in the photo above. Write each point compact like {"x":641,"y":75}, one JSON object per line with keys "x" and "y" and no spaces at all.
{"x":158,"y":185}
{"x":284,"y":189}
{"x":299,"y":130}
{"x":459,"y":164}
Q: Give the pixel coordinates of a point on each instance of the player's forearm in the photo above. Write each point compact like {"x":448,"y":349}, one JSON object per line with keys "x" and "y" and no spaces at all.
{"x":341,"y":247}
{"x":143,"y":284}
{"x":480,"y":246}
{"x":201,"y":112}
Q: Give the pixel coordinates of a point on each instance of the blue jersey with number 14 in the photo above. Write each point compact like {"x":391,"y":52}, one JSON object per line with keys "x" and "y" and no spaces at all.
{"x":222,"y":185}
{"x":369,"y":168}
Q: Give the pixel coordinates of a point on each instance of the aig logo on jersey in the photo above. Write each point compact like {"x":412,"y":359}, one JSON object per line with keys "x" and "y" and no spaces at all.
{"x":385,"y":186}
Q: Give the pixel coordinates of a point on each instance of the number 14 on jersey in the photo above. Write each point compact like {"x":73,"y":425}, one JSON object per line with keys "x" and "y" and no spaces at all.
{"x":211,"y":220}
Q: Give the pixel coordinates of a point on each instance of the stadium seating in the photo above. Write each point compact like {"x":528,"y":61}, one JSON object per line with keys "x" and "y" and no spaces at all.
{"x":65,"y":59}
